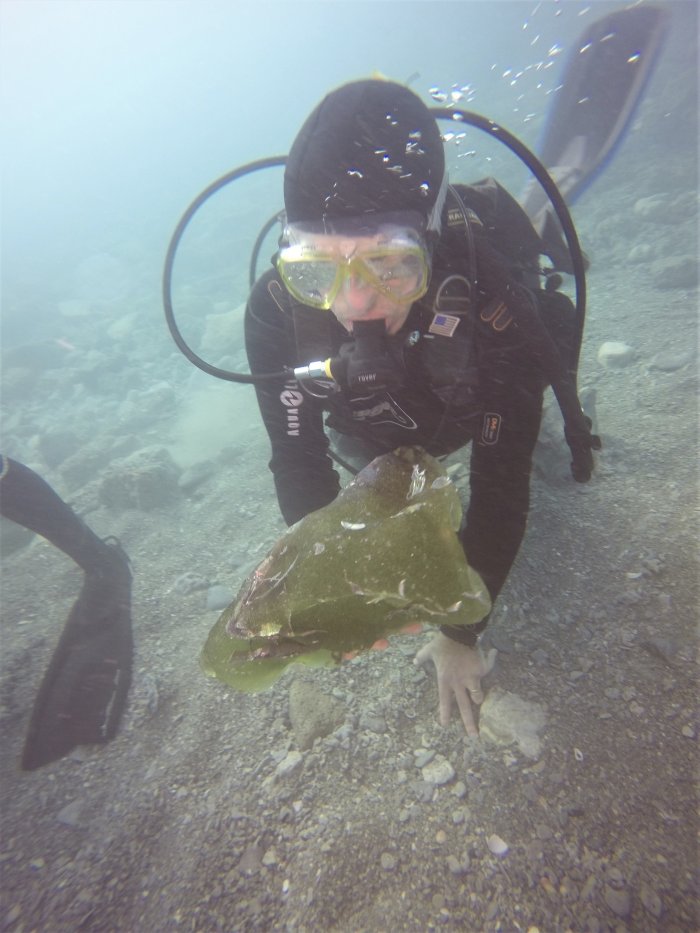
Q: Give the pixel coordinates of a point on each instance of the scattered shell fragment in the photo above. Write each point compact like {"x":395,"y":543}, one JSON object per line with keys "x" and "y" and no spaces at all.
{"x":497,"y":845}
{"x":353,"y":526}
{"x":578,"y":754}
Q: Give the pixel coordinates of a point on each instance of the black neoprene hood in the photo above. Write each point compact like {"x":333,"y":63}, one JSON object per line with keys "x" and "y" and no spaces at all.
{"x":369,"y":147}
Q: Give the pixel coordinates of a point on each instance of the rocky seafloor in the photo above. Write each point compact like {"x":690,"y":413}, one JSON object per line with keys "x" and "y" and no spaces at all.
{"x":334,"y":801}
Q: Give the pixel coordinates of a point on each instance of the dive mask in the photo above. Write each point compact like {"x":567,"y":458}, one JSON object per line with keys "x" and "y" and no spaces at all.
{"x":384,"y":251}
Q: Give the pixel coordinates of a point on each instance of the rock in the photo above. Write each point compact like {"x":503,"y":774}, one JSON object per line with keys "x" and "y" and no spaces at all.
{"x":372,"y":722}
{"x":289,"y":763}
{"x":70,"y":814}
{"x":219,"y":597}
{"x":270,"y":857}
{"x":251,"y":860}
{"x":190,"y":582}
{"x":675,"y":272}
{"x":439,"y":771}
{"x":615,"y":354}
{"x":141,"y":409}
{"x":500,"y":640}
{"x":506,"y":718}
{"x":497,"y":845}
{"x":387,"y":861}
{"x":651,"y":900}
{"x":642,"y":252}
{"x":123,"y":327}
{"x":669,"y":362}
{"x":145,"y":480}
{"x":618,"y":900}
{"x":195,"y":475}
{"x":80,"y":469}
{"x":424,"y":756}
{"x":313,"y":713}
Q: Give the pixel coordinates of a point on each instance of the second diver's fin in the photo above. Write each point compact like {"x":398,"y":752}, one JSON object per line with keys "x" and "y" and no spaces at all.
{"x":84,"y":690}
{"x":603,"y":82}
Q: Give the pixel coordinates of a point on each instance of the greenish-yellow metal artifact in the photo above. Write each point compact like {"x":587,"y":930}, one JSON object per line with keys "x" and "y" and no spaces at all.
{"x":383,"y":555}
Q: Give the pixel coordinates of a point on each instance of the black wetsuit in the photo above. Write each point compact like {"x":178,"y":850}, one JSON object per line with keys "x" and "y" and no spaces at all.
{"x":481,"y":384}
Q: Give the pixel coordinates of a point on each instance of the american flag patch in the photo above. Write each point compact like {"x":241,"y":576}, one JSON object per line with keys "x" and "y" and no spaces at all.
{"x":444,"y":325}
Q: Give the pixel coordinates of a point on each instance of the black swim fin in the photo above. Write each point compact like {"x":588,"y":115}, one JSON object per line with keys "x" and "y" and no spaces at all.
{"x":84,"y":690}
{"x":604,"y":79}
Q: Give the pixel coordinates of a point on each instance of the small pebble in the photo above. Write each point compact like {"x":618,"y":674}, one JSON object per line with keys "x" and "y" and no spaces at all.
{"x":651,"y":900}
{"x":618,"y":900}
{"x":70,"y":814}
{"x":439,"y":771}
{"x":373,"y":723}
{"x":270,"y":857}
{"x":423,"y":756}
{"x":289,"y":763}
{"x":497,"y":845}
{"x":387,"y":861}
{"x":615,"y":354}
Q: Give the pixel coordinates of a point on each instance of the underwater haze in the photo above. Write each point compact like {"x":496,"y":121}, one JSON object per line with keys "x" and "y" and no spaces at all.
{"x":333,"y":800}
{"x":115,"y":114}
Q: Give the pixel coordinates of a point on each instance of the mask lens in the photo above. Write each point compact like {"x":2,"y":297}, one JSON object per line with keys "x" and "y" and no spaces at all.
{"x":399,"y":273}
{"x":310,"y":280}
{"x":316,"y":260}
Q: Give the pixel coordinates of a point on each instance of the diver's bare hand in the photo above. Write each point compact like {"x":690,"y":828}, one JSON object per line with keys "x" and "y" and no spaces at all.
{"x":459,"y":671}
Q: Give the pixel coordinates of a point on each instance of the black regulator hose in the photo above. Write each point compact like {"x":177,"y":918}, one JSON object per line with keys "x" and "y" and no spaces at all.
{"x":183,"y":346}
{"x":444,"y":113}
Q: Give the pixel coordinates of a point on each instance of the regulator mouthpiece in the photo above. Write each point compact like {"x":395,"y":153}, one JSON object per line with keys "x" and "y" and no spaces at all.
{"x":364,"y":365}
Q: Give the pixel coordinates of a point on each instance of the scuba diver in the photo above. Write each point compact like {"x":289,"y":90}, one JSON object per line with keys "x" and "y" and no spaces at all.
{"x":423,"y":293}
{"x":404,"y":310}
{"x":84,"y":690}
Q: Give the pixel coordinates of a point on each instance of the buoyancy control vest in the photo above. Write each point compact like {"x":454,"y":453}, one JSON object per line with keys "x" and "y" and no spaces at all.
{"x":485,"y":271}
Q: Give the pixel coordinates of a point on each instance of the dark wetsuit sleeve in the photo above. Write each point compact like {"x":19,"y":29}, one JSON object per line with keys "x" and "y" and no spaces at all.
{"x":303,"y":473}
{"x":512,"y":388}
